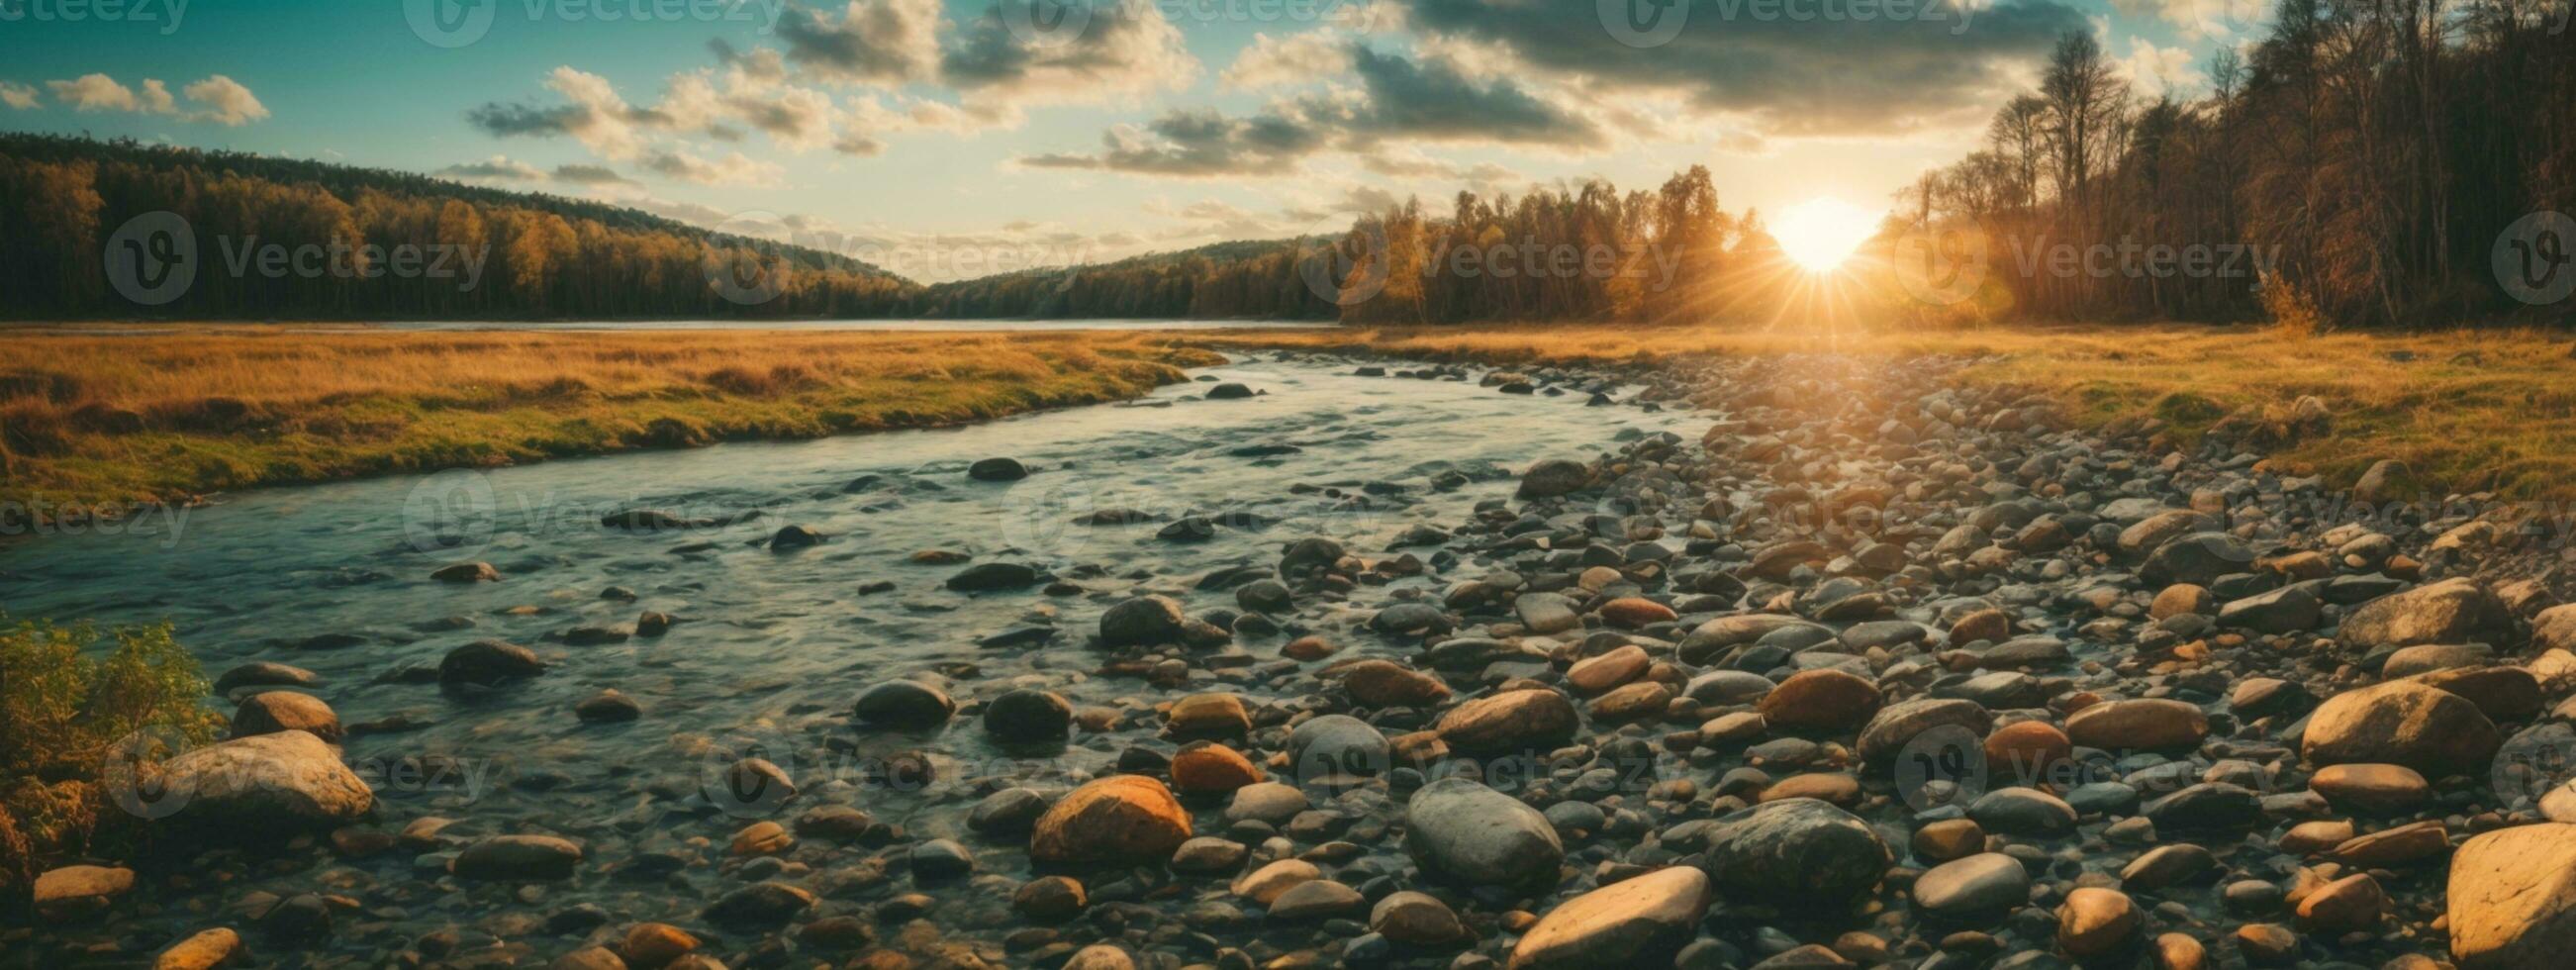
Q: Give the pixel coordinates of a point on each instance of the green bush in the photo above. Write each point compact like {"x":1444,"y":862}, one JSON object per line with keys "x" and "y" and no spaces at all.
{"x":65,"y":707}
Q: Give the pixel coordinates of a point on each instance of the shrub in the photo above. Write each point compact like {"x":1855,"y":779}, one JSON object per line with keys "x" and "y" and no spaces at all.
{"x":65,"y":707}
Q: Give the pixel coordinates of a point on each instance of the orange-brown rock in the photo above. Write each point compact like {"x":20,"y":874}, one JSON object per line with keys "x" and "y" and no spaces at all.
{"x":1206,"y":766}
{"x":1830,"y":700}
{"x":1634,"y":611}
{"x":1122,"y":818}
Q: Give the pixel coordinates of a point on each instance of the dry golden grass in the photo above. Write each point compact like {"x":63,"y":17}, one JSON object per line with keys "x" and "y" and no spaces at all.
{"x":2469,"y":410}
{"x":107,"y":419}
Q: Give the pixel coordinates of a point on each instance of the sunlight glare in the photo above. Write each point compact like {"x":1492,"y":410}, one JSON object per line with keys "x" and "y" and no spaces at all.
{"x":1821,"y":232}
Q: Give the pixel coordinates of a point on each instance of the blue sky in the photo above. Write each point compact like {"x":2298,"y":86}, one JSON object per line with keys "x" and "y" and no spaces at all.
{"x":949,"y":139}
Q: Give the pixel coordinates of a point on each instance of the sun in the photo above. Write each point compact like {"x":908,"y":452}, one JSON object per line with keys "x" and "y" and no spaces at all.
{"x":1822,"y":232}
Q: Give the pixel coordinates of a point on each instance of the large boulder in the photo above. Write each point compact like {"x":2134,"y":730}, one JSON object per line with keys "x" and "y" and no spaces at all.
{"x":1121,"y":818}
{"x":1797,"y":850}
{"x":1554,"y":477}
{"x":261,"y":787}
{"x":2199,"y":559}
{"x":1466,"y":831}
{"x":1142,"y":622}
{"x":77,"y":891}
{"x":486,"y":663}
{"x":2150,"y":723}
{"x":904,"y":704}
{"x":1824,"y":700}
{"x":1338,"y":746}
{"x":1985,"y":884}
{"x":2433,"y":731}
{"x":2512,"y":898}
{"x":1512,"y":722}
{"x":2554,"y":629}
{"x":269,"y":712}
{"x":515,"y":857}
{"x":1028,"y":716}
{"x":1897,"y":724}
{"x":1636,"y":922}
{"x":2450,"y":611}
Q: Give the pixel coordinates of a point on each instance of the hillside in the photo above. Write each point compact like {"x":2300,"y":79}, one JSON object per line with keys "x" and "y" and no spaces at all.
{"x":271,"y":238}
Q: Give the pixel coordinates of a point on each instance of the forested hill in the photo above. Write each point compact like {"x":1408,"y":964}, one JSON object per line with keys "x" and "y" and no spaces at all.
{"x":383,"y":244}
{"x":1264,"y":279}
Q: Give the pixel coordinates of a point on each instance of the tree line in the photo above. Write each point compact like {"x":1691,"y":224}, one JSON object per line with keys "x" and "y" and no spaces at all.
{"x":2358,"y":165}
{"x":288,"y":239}
{"x":291,"y":239}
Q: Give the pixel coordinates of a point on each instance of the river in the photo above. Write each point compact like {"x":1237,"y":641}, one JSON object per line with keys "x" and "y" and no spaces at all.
{"x":772,"y":647}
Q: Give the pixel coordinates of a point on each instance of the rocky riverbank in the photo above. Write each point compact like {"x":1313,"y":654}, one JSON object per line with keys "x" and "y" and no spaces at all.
{"x":1880,"y":671}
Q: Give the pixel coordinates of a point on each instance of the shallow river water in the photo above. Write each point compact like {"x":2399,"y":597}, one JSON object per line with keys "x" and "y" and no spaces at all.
{"x":772,"y":647}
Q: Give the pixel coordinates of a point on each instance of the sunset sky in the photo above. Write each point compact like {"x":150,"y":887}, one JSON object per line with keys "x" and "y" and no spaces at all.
{"x":954,"y":139}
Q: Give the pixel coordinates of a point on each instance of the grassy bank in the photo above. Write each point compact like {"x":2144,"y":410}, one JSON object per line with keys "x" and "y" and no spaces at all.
{"x":102,"y":420}
{"x":92,"y":420}
{"x":2468,"y":410}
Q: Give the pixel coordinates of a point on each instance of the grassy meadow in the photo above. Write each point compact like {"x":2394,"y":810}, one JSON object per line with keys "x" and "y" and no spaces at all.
{"x":2468,"y":410}
{"x":104,"y":420}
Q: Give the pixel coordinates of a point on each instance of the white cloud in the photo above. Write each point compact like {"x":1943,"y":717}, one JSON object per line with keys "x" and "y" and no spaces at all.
{"x":220,"y":99}
{"x":227,"y":101}
{"x":602,"y":121}
{"x":94,"y":92}
{"x":18,"y":96}
{"x":1316,"y":55}
{"x":2202,"y":19}
{"x":2165,"y":69}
